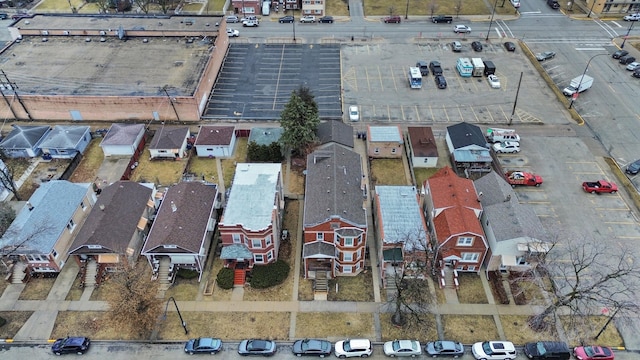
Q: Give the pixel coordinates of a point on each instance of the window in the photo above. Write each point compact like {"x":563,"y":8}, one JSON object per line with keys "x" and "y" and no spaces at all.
{"x":236,"y":238}
{"x":162,"y":151}
{"x":269,"y":255}
{"x":348,"y":241}
{"x":335,"y":225}
{"x":376,"y":150}
{"x":256,"y":243}
{"x":522,"y":261}
{"x":258,"y":258}
{"x":347,"y":269}
{"x":348,"y":256}
{"x":471,"y":268}
{"x":267,"y":240}
{"x":469,"y":257}
{"x":393,"y":151}
{"x":358,"y":266}
{"x":71,"y":225}
{"x":170,"y":246}
{"x":83,"y":206}
{"x":320,"y":236}
{"x":55,"y":254}
{"x":465,"y":241}
{"x":94,"y":246}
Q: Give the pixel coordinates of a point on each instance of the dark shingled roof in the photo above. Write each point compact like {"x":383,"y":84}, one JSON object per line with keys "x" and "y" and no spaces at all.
{"x":465,"y":134}
{"x":24,"y":137}
{"x":169,"y":137}
{"x":422,"y":141}
{"x":215,"y":135}
{"x":335,"y":131}
{"x":122,"y":134}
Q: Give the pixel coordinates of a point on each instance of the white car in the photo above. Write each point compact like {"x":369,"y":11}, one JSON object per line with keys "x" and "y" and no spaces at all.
{"x":507,"y":147}
{"x":494,"y":81}
{"x":308,"y":19}
{"x":354,"y":113}
{"x":461,"y":29}
{"x":353,"y":348}
{"x":515,"y":3}
{"x":402,"y":348}
{"x":494,"y":350}
{"x":248,"y":17}
{"x":233,"y":32}
{"x":634,"y":65}
{"x":631,"y":17}
{"x":250,"y":23}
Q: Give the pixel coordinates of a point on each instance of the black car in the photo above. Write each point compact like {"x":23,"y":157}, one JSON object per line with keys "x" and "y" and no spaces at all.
{"x":620,"y":53}
{"x":424,"y":67}
{"x":257,"y":347}
{"x":326,"y":19}
{"x":203,"y":346}
{"x":626,"y":60}
{"x":636,"y":73}
{"x":476,"y":45}
{"x":510,"y":46}
{"x":312,"y":347}
{"x":286,"y":19}
{"x":553,"y":4}
{"x":441,"y":83}
{"x":4,"y":16}
{"x":435,"y":67}
{"x":633,"y":168}
{"x":71,"y":345}
{"x":547,"y":350}
{"x":442,"y":19}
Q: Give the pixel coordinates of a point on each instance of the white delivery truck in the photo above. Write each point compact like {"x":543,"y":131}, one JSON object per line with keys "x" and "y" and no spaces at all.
{"x":266,"y":7}
{"x":478,"y":67}
{"x":500,"y":135}
{"x":578,"y":84}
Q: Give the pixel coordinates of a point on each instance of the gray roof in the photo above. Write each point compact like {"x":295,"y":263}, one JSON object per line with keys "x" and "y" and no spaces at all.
{"x":236,"y":251}
{"x":512,"y":220}
{"x":253,"y":196}
{"x":400,"y":216}
{"x":122,"y":134}
{"x":494,"y":189}
{"x":24,"y":137}
{"x":385,"y":134}
{"x":183,"y":218}
{"x":265,"y":135}
{"x":65,"y":137}
{"x":333,"y":187}
{"x":335,"y":131}
{"x":45,"y":217}
{"x":318,"y":249}
{"x":169,"y":137}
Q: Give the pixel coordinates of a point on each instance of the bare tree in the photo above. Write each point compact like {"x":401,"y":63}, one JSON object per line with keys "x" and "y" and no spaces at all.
{"x":145,"y":5}
{"x":585,"y":275}
{"x":166,"y":5}
{"x":9,"y":171}
{"x":433,"y":7}
{"x":19,"y":239}
{"x":103,"y":5}
{"x":458,"y":7}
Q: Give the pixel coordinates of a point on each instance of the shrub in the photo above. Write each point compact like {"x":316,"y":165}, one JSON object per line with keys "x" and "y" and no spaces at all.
{"x":495,"y":279}
{"x":186,"y":274}
{"x":269,"y":275}
{"x":225,"y":278}
{"x":2,"y":321}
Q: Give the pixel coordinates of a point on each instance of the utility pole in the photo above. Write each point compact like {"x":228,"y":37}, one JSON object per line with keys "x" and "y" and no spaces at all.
{"x":515,"y":102}
{"x":11,"y":85}
{"x":171,"y":102}
{"x":15,"y":116}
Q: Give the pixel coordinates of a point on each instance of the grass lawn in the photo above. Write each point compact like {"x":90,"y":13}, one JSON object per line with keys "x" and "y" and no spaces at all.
{"x":423,"y":8}
{"x":518,"y":331}
{"x":100,"y":293}
{"x":160,"y":172}
{"x":15,"y":320}
{"x":352,"y":288}
{"x":334,"y":326}
{"x":219,"y":294}
{"x":388,"y":172}
{"x":296,"y":182}
{"x":425,"y":331}
{"x":582,"y":329}
{"x":3,"y":285}
{"x":193,"y":7}
{"x":57,"y":6}
{"x":75,"y":292}
{"x":87,"y":170}
{"x":423,"y":174}
{"x":469,"y":329}
{"x":37,"y":289}
{"x":93,"y":324}
{"x":227,"y":326}
{"x":440,"y":297}
{"x":229,"y":165}
{"x":183,"y":289}
{"x":204,"y":167}
{"x":471,"y":290}
{"x":305,"y":288}
{"x":337,"y":8}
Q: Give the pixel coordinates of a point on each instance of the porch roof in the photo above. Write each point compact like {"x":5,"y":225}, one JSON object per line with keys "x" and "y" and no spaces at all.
{"x":394,"y":254}
{"x":236,"y":251}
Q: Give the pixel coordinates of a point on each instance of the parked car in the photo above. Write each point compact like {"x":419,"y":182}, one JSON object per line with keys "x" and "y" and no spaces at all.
{"x":554,"y":4}
{"x":249,"y":17}
{"x":286,"y":19}
{"x":257,"y":347}
{"x":476,"y":45}
{"x":547,"y":350}
{"x":405,"y":348}
{"x":444,"y":348}
{"x":633,"y":66}
{"x":456,"y":46}
{"x":435,"y":67}
{"x":423,"y":66}
{"x":354,"y":113}
{"x":326,"y":19}
{"x":441,"y":82}
{"x":232,"y":19}
{"x":203,"y":346}
{"x":636,"y":73}
{"x":353,"y":348}
{"x":494,"y":350}
{"x":312,"y":347}
{"x":510,"y":46}
{"x":233,"y":32}
{"x":545,"y":55}
{"x":442,"y":19}
{"x":4,"y":16}
{"x":392,"y":19}
{"x":494,"y":81}
{"x":627,"y":59}
{"x":631,"y":17}
{"x":507,"y":147}
{"x":308,"y":19}
{"x":593,"y":353}
{"x":515,"y":3}
{"x":620,"y":53}
{"x":633,"y":168}
{"x":599,"y":187}
{"x":250,"y":23}
{"x":461,"y":29}
{"x":523,"y":178}
{"x":71,"y":345}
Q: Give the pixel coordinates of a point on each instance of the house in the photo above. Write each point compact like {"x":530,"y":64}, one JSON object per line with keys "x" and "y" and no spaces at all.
{"x":453,"y":213}
{"x":115,"y":229}
{"x":180,"y":236}
{"x":423,"y":150}
{"x":169,"y":142}
{"x":66,"y":141}
{"x":216,"y":141}
{"x":335,"y":220}
{"x":251,"y":225}
{"x":42,"y":232}
{"x":402,"y":232}
{"x":24,"y":140}
{"x":123,"y":140}
{"x":468,"y":149}
{"x":335,"y":132}
{"x":514,"y":231}
{"x":384,"y":141}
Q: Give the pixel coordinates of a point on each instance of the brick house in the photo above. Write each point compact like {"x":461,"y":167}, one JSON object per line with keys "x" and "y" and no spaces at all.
{"x":385,"y":142}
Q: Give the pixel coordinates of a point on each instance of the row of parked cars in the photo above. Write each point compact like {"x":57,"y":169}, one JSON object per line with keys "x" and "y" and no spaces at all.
{"x":625,"y":58}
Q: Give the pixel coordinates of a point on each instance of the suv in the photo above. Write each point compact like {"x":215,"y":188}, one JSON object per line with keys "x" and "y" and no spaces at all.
{"x":547,"y":350}
{"x":68,"y":345}
{"x":392,"y":19}
{"x":308,"y":19}
{"x":353,"y":348}
{"x":456,"y":46}
{"x":424,"y":67}
{"x":631,"y":17}
{"x":620,"y":53}
{"x":626,"y":60}
{"x":435,"y":67}
{"x":553,"y":4}
{"x":232,"y":19}
{"x":286,"y":19}
{"x":441,"y":82}
{"x":326,"y":19}
{"x":494,"y":350}
{"x":461,"y":29}
{"x":250,"y":23}
{"x":442,"y":19}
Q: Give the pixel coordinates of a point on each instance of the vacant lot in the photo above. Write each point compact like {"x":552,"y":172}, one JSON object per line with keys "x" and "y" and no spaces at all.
{"x":334,"y":326}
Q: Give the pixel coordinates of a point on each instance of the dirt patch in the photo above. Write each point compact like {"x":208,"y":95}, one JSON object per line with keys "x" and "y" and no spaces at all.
{"x":87,"y":170}
{"x":517,"y":330}
{"x":15,"y":321}
{"x":469,"y":329}
{"x":582,"y":330}
{"x":93,"y":324}
{"x":425,"y":330}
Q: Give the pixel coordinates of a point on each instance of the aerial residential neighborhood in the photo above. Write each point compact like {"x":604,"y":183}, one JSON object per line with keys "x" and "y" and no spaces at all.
{"x":171,"y":184}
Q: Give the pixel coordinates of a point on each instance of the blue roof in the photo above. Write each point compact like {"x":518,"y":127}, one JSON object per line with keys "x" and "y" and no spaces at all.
{"x":400,"y":216}
{"x":52,"y":206}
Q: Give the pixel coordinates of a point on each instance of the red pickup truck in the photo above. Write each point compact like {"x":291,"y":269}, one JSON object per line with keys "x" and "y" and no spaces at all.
{"x":523,"y":178}
{"x":600,"y":186}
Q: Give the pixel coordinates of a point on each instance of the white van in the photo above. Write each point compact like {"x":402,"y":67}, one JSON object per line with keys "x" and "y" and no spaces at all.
{"x":501,"y":135}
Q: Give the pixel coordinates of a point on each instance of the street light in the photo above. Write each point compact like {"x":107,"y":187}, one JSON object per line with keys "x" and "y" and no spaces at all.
{"x":491,"y":21}
{"x":293,"y":14}
{"x":626,"y":36}
{"x":184,"y":324}
{"x":406,"y":12}
{"x":591,"y":8}
{"x":575,"y":95}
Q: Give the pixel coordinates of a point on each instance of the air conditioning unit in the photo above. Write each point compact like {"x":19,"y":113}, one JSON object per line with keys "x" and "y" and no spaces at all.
{"x":45,"y":32}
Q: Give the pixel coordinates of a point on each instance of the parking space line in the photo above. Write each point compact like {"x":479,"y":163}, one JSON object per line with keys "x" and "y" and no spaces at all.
{"x":460,"y":112}
{"x":380,"y":79}
{"x":417,"y":112}
{"x":587,"y":172}
{"x":388,"y":113}
{"x":474,"y":114}
{"x":489,"y":113}
{"x":446,"y":114}
{"x":621,"y":222}
{"x":433,"y":117}
{"x":580,"y":162}
{"x":612,"y":209}
{"x":366,"y":73}
{"x":503,"y":113}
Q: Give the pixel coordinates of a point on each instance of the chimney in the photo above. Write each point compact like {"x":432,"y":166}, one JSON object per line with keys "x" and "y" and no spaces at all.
{"x":174,"y":208}
{"x":30,"y":206}
{"x":102,"y":207}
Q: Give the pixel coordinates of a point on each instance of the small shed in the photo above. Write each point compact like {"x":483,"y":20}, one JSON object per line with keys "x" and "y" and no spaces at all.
{"x":216,"y":141}
{"x":384,"y":141}
{"x":23,"y":141}
{"x":423,"y":149}
{"x":122,"y":139}
{"x":169,"y":142}
{"x":65,"y":141}
{"x":265,"y":135}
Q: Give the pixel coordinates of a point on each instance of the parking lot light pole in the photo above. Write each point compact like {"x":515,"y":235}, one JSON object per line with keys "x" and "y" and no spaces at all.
{"x":491,"y":21}
{"x":626,"y":36}
{"x":184,"y":324}
{"x":574,"y":96}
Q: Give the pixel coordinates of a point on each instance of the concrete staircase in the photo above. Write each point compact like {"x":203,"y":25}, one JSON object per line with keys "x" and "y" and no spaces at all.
{"x":163,"y":273}
{"x":239,"y":277}
{"x":90,"y":273}
{"x":320,"y":286}
{"x":17,"y":272}
{"x":390,"y":282}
